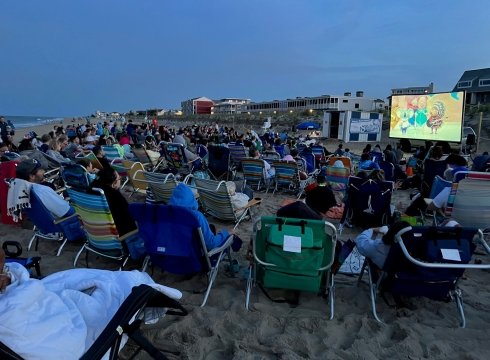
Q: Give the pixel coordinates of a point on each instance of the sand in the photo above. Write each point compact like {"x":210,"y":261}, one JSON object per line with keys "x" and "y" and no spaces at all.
{"x":224,"y":329}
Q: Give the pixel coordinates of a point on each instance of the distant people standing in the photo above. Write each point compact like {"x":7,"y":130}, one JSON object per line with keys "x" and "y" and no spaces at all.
{"x":339,"y":151}
{"x":3,"y":129}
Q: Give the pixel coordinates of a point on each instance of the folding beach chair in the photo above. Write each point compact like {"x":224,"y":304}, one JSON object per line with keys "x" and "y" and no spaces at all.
{"x":286,"y":176}
{"x":76,"y":176}
{"x":337,"y":178}
{"x":471,"y":205}
{"x":13,"y":251}
{"x":93,"y":159}
{"x":102,"y":236}
{"x":474,"y":175}
{"x":111,"y":153}
{"x":428,"y":262}
{"x":310,"y":160}
{"x":174,"y":241}
{"x":270,"y":156}
{"x":438,"y":185}
{"x":368,"y":203}
{"x":376,"y":157}
{"x":389,"y":170}
{"x":202,"y":152}
{"x":238,"y":152}
{"x":126,"y":322}
{"x":136,"y":177}
{"x":254,"y":172}
{"x":177,"y":160}
{"x":293,"y":254}
{"x":46,"y":227}
{"x":143,"y":157}
{"x":432,"y":168}
{"x":319,"y":153}
{"x":161,"y":185}
{"x":215,"y":200}
{"x":345,"y":160}
{"x":281,"y":150}
{"x":219,"y":162}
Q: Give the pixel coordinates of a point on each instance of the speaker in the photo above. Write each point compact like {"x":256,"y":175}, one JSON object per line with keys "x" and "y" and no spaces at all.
{"x":470,"y":139}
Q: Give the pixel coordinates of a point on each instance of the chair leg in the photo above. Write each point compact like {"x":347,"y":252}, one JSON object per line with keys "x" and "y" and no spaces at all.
{"x":64,"y":241}
{"x":373,"y":293}
{"x":78,"y":255}
{"x":249,"y":287}
{"x":211,"y":277}
{"x":331,"y":294}
{"x":146,"y":262}
{"x":31,"y":241}
{"x":364,"y":264}
{"x":458,"y":298}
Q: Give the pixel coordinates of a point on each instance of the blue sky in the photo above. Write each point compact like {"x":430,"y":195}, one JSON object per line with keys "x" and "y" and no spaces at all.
{"x":69,"y":58}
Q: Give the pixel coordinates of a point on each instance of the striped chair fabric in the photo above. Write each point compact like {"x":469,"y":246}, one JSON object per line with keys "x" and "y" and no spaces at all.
{"x":95,"y":214}
{"x":111,"y":153}
{"x":161,"y":185}
{"x":345,"y":160}
{"x":136,"y":178}
{"x":238,"y":152}
{"x":454,"y":188}
{"x":254,"y":171}
{"x":337,"y":177}
{"x":471,"y":205}
{"x":215,"y":199}
{"x":287,"y":174}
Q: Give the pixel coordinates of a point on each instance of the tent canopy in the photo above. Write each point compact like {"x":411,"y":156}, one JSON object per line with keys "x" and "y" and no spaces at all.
{"x":308,"y":125}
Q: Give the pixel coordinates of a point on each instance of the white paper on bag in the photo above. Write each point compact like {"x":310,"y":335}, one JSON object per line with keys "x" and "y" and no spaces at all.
{"x":292,"y":244}
{"x":450,"y":254}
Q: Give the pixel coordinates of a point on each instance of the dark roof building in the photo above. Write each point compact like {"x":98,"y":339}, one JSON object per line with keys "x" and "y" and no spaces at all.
{"x":476,"y":83}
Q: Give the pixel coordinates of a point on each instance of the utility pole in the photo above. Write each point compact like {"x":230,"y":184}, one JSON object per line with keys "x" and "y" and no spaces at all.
{"x":479,"y":132}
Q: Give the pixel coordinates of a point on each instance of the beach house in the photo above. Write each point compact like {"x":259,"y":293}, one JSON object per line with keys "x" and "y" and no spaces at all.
{"x":476,"y":83}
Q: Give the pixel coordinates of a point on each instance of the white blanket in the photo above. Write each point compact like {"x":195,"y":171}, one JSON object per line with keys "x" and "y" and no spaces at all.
{"x":53,"y":319}
{"x":18,"y":198}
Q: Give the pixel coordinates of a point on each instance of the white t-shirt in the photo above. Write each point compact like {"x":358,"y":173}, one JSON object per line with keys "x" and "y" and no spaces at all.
{"x":51,"y":200}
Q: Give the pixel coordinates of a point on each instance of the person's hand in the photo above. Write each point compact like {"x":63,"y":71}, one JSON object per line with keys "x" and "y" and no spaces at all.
{"x":231,"y":231}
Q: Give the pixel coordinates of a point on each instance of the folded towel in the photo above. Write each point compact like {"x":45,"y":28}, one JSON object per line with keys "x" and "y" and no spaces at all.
{"x":18,"y":198}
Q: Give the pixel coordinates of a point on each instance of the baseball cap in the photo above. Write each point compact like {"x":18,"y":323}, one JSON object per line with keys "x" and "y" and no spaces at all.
{"x":26,"y":168}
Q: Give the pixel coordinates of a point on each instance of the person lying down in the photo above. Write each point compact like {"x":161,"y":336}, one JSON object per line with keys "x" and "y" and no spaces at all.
{"x":60,"y":316}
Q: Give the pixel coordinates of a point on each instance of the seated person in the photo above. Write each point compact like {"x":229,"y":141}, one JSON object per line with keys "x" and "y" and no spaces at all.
{"x":31,"y":171}
{"x":54,"y":152}
{"x":320,"y":198}
{"x":100,"y":155}
{"x":91,"y":171}
{"x":109,"y":180}
{"x":238,"y":200}
{"x":269,"y":171}
{"x":183,"y":196}
{"x":60,"y":316}
{"x":480,"y":162}
{"x":366,"y":163}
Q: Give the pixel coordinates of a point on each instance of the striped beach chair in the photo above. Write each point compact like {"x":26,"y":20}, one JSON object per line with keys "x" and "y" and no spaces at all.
{"x":216,"y":201}
{"x":100,"y":229}
{"x":345,"y":160}
{"x":254,"y":172}
{"x":136,"y":178}
{"x":238,"y":152}
{"x":287,"y":175}
{"x":337,"y":178}
{"x":161,"y":185}
{"x":111,"y":153}
{"x":471,"y":206}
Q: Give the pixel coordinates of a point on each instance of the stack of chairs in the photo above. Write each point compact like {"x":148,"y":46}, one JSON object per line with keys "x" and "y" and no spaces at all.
{"x":426,"y":262}
{"x":293,"y":254}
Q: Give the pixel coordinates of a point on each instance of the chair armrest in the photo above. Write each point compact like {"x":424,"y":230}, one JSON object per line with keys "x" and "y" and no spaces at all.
{"x":129,"y":234}
{"x":58,"y":221}
{"x":223,"y":246}
{"x":250,"y":203}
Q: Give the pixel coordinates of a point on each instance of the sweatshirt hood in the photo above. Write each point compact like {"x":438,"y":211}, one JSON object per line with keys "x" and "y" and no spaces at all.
{"x":183,"y":196}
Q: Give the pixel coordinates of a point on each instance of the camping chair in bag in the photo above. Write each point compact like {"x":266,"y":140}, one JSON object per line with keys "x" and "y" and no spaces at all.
{"x":426,"y":261}
{"x":46,"y":227}
{"x":286,"y":176}
{"x":293,"y":254}
{"x":215,"y":200}
{"x":368,"y":203}
{"x":219,"y":162}
{"x":161,"y":185}
{"x":101,"y":232}
{"x":13,"y":252}
{"x":126,"y":322}
{"x":174,"y":241}
{"x":254,"y":172}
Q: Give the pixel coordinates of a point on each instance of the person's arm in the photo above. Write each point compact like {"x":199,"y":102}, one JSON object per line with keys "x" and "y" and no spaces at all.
{"x":365,"y":243}
{"x":212,"y":241}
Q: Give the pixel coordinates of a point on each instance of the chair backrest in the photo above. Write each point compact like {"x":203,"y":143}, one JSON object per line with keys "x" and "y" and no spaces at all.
{"x":438,"y":185}
{"x":161,"y":185}
{"x":238,"y":152}
{"x":52,"y":162}
{"x":389,"y":170}
{"x":92,"y":208}
{"x":471,"y":204}
{"x":337,"y":177}
{"x":299,"y":271}
{"x":218,"y":161}
{"x":135,"y":171}
{"x":287,"y":173}
{"x":301,"y":164}
{"x":432,"y":168}
{"x":142,"y":156}
{"x":173,"y":237}
{"x":253,"y":171}
{"x":270,"y":156}
{"x":40,"y":216}
{"x":345,"y":160}
{"x":202,"y":152}
{"x":377,"y":157}
{"x":281,"y":150}
{"x":454,"y":187}
{"x":93,"y":159}
{"x":110,"y":152}
{"x":76,"y":176}
{"x":319,"y":153}
{"x":175,"y":155}
{"x":310,"y":161}
{"x":214,"y":197}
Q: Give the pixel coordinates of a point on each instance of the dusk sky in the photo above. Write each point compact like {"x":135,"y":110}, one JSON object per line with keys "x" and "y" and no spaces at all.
{"x":71,"y":58}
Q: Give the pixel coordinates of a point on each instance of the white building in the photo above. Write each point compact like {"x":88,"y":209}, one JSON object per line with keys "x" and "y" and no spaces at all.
{"x":229,"y":105}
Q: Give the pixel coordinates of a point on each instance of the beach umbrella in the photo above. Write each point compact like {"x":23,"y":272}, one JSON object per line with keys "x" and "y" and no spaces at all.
{"x":308,"y":125}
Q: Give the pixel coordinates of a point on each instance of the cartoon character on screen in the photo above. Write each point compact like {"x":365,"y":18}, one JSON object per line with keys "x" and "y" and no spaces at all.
{"x":436,"y":113}
{"x":404,"y":115}
{"x":421,"y":111}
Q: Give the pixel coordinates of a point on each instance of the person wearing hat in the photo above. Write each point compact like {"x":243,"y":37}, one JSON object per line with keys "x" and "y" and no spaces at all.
{"x":30,"y":170}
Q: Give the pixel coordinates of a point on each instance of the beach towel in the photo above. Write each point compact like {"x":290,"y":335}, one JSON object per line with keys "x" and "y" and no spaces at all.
{"x":18,"y":198}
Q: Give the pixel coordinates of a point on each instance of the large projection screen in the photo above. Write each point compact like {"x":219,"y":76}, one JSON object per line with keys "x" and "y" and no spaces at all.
{"x":437,"y":117}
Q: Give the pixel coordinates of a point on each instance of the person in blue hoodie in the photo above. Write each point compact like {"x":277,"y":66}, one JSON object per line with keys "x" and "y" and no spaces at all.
{"x":183,"y":196}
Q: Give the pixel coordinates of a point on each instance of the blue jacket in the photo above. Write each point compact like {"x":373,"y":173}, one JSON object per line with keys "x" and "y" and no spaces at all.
{"x":183,"y":196}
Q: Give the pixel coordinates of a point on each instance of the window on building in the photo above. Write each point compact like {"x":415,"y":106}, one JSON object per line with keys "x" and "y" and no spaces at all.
{"x":345,"y":101}
{"x":484,"y":82}
{"x":464,"y":84}
{"x":356,"y":105}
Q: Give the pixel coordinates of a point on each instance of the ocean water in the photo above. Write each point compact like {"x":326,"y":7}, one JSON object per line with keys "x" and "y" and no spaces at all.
{"x":28,"y":121}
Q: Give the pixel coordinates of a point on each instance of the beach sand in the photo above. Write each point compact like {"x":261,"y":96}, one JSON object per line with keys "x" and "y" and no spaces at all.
{"x":224,"y":329}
